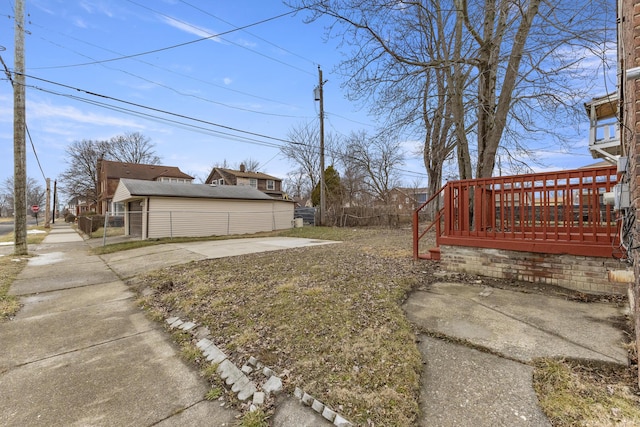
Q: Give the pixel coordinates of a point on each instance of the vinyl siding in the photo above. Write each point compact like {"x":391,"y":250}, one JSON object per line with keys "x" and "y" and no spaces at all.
{"x":183,"y":217}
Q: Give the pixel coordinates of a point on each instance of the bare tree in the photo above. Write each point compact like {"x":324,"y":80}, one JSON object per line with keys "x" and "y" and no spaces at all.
{"x":304,"y":150}
{"x":35,"y":192}
{"x":250,"y":165}
{"x":132,"y":148}
{"x":296,"y":184}
{"x":224,"y":164}
{"x":499,"y":69}
{"x":375,"y":160}
{"x":80,"y":179}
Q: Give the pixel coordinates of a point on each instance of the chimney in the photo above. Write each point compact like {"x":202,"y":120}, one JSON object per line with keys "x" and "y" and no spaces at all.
{"x":242,"y":169}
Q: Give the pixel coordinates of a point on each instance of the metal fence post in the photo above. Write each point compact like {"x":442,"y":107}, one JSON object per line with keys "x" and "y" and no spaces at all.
{"x":170,"y":225}
{"x":104,"y":229}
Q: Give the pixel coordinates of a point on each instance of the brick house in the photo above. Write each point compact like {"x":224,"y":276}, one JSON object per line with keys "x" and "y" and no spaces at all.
{"x":110,"y":172}
{"x":629,"y":94}
{"x":268,"y":184}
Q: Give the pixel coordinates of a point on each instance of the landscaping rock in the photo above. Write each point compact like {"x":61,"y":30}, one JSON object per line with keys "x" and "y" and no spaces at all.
{"x":258,"y":398}
{"x":273,"y":385}
{"x":341,"y":422}
{"x":329,"y":414}
{"x":307,"y":399}
{"x":229,"y":372}
{"x":247,"y":391}
{"x":214,"y":354}
{"x":187,"y":326}
{"x":317,"y":406}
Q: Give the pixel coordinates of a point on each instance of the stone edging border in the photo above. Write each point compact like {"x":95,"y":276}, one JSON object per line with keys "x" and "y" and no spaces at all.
{"x":239,"y":381}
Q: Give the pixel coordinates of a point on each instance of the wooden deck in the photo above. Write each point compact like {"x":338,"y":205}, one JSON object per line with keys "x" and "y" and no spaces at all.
{"x":555,"y":212}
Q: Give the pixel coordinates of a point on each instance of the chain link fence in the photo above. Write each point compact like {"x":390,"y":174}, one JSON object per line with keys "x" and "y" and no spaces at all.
{"x":176,"y":223}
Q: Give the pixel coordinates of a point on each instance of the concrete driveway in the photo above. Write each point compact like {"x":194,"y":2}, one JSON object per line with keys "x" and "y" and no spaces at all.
{"x":135,"y":261}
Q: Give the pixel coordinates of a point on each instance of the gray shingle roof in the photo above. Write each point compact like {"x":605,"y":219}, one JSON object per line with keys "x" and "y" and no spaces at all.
{"x":137,"y":187}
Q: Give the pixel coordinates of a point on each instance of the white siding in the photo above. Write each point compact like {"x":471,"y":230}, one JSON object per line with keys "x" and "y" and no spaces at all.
{"x":184,"y":217}
{"x":121,"y":193}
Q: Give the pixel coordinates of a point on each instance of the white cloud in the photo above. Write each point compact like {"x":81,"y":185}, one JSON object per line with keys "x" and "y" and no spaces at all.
{"x":227,"y":80}
{"x":191,"y":29}
{"x":92,"y":6}
{"x":45,"y":110}
{"x":79,"y":22}
{"x":246,"y":43}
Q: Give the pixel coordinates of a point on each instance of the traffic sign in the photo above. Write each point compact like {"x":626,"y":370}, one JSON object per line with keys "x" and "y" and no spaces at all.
{"x":35,"y":208}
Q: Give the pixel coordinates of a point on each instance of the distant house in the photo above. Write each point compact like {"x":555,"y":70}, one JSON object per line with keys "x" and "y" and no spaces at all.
{"x":268,"y":184}
{"x":78,"y":206}
{"x":407,"y":198}
{"x":110,"y":173}
{"x":157,"y":210}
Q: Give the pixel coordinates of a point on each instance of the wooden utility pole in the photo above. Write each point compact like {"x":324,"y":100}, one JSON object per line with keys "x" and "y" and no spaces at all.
{"x":47,"y":209}
{"x":19,"y":126}
{"x":55,"y":201}
{"x":322,"y":183}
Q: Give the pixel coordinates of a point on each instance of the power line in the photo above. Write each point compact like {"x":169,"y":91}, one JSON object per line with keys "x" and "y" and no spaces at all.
{"x":34,"y":152}
{"x":183,"y":116}
{"x":251,"y":34}
{"x":162,"y":49}
{"x":160,"y":68}
{"x":228,"y":41}
{"x":33,"y":147}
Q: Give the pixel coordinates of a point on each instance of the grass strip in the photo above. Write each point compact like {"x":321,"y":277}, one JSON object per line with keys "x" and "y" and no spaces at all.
{"x":572,"y":393}
{"x":10,"y":267}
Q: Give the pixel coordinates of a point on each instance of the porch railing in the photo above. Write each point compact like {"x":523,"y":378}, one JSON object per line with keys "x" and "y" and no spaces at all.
{"x":553,"y":212}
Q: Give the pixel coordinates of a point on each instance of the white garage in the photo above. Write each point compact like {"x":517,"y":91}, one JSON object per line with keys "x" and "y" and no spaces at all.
{"x":160,"y":209}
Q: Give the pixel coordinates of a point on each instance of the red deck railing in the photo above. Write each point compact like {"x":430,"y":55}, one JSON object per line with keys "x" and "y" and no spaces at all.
{"x":553,"y":212}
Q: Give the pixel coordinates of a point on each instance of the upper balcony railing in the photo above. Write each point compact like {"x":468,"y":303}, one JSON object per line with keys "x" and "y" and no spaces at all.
{"x":553,"y":212}
{"x":604,"y":128}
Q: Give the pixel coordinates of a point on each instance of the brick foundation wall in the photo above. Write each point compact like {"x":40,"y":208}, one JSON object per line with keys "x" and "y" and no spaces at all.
{"x":584,"y":274}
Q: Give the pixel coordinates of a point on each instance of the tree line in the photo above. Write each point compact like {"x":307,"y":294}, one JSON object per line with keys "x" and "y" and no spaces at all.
{"x":477,"y":82}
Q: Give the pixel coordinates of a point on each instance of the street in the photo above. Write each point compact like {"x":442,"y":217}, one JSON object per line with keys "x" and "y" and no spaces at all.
{"x":7,"y":227}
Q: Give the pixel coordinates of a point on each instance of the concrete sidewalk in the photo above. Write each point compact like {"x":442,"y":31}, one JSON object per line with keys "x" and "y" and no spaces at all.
{"x":462,"y":386}
{"x":80,"y":352}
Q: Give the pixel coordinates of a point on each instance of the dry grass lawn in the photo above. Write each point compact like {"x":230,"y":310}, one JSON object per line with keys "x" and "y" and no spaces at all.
{"x":10,"y":267}
{"x":328,"y":320}
{"x":577,"y":394}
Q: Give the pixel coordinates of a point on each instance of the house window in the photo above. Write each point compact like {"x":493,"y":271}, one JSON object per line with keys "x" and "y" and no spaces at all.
{"x":253,"y":182}
{"x":221,"y":181}
{"x":271,"y":184}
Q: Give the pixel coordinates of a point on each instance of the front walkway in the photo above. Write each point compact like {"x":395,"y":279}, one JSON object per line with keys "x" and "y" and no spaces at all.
{"x":80,"y":352}
{"x":465,"y":387}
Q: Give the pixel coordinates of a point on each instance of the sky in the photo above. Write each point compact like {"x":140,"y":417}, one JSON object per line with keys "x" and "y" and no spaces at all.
{"x":244,"y":90}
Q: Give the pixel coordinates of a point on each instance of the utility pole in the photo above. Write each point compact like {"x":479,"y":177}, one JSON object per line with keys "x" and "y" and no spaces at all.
{"x":19,"y":126}
{"x":47,"y":209}
{"x":322,"y":183}
{"x":55,"y":201}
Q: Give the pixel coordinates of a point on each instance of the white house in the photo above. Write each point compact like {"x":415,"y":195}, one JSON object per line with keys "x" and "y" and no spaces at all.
{"x":161,"y":209}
